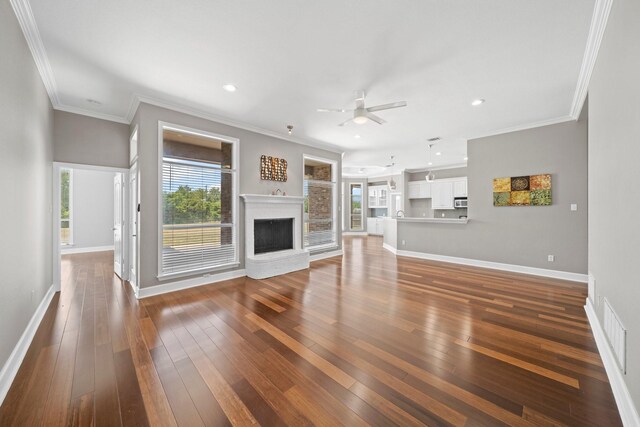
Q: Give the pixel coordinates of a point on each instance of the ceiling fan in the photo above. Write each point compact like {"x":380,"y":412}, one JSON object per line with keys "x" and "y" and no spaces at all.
{"x":362,"y":114}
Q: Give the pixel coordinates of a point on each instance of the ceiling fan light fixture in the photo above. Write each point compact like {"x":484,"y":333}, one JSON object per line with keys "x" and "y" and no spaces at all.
{"x":360,"y":120}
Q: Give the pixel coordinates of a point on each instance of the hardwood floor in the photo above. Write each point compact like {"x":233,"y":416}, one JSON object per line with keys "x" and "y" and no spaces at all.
{"x":366,"y":339}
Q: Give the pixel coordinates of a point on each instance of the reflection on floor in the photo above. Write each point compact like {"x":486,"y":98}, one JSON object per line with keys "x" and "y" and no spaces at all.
{"x":363,"y":339}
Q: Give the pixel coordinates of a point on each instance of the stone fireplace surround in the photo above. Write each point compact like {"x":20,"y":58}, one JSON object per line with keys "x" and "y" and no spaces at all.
{"x":258,"y":206}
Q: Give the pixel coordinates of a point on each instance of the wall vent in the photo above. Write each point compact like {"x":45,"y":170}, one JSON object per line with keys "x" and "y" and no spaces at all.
{"x":616,"y":334}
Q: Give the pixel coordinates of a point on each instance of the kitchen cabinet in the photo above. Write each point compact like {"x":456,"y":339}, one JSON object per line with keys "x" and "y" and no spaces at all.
{"x":378,"y":195}
{"x":460,"y":187}
{"x":419,"y":190}
{"x":375,"y":226}
{"x":442,"y":194}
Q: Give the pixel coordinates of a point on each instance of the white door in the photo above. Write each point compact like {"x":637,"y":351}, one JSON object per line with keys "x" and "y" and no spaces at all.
{"x":117,"y":224}
{"x":133,"y":226}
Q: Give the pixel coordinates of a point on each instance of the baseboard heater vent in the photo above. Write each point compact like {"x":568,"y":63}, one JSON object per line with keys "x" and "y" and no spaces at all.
{"x":616,"y":334}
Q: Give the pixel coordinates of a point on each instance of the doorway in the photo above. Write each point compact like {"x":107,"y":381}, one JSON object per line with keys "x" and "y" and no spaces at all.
{"x":90,"y":215}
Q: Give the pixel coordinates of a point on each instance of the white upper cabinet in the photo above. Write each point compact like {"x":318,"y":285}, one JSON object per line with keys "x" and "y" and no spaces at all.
{"x":442,"y":194}
{"x":441,"y":191}
{"x":378,"y":196}
{"x":460,"y":187}
{"x":419,"y":189}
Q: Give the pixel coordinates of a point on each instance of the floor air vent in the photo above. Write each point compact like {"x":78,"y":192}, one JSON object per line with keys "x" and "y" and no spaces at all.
{"x":617,"y":335}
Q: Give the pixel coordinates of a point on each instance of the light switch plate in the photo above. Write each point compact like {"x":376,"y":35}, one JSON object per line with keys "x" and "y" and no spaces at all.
{"x":574,"y":207}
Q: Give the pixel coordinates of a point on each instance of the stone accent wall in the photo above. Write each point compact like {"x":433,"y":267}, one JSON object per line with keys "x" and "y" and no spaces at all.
{"x":320,"y":198}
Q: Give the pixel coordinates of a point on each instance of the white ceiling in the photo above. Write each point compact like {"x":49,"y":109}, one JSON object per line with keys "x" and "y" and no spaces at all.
{"x":289,"y":57}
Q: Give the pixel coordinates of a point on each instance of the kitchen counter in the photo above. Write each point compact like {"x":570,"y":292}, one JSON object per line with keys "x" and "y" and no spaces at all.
{"x":398,"y":231}
{"x":433,"y":220}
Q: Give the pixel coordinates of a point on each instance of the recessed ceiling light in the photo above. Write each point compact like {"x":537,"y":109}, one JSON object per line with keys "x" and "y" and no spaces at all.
{"x":356,"y":136}
{"x":430,"y":163}
{"x":477,"y":102}
{"x":466,"y":158}
{"x":361,"y":171}
{"x":93,"y":101}
{"x":438,"y":153}
{"x":229,"y":87}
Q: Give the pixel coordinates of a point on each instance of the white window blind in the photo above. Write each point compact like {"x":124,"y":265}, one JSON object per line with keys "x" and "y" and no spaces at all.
{"x":198,"y":230}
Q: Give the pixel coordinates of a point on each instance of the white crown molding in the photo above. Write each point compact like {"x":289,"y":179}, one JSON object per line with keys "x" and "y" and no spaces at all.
{"x":596,"y":32}
{"x":438,"y":168}
{"x":27,"y":22}
{"x":11,"y":366}
{"x":90,"y":113}
{"x":627,"y":409}
{"x":196,"y":112}
{"x":524,"y":126}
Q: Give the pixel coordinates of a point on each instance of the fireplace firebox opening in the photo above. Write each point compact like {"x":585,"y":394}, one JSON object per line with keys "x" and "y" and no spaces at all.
{"x":271,"y":235}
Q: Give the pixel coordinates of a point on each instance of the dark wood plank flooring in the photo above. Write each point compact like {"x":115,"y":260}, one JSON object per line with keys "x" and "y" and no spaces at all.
{"x":367,"y":339}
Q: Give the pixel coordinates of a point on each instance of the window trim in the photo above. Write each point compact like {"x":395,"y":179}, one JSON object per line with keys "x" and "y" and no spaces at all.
{"x":235,"y":170}
{"x":60,"y":219}
{"x":350,"y":201}
{"x":334,"y":201}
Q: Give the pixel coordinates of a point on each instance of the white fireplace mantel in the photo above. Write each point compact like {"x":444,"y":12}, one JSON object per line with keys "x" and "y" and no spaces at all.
{"x":264,"y":198}
{"x":259,"y":206}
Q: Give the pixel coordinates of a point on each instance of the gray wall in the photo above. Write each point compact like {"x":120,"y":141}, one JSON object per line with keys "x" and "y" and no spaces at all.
{"x":89,"y":141}
{"x":252,"y":146}
{"x":518,"y":235}
{"x":614,"y":151}
{"x":26,"y":120}
{"x":92,"y":208}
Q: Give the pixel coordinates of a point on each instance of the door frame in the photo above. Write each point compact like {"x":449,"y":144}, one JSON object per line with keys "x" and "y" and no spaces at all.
{"x":55,"y":220}
{"x":134,"y":170}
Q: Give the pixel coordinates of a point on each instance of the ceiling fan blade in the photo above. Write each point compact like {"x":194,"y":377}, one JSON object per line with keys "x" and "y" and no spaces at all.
{"x":387,"y":106}
{"x":359,"y":98}
{"x":333,"y":110}
{"x":345,"y":122}
{"x":375,"y":118}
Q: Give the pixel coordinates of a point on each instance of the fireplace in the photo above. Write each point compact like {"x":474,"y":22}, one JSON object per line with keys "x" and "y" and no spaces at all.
{"x":271,"y":235}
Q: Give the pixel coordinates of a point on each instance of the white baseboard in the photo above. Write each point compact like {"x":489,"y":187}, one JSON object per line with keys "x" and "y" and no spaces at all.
{"x":564,"y":275}
{"x":189,"y":283}
{"x":627,"y":409}
{"x":72,"y":250}
{"x":325,"y":255}
{"x":390,"y":248}
{"x":10,"y":368}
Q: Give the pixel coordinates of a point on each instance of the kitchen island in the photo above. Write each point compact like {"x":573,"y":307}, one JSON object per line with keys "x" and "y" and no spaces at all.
{"x":400,"y":232}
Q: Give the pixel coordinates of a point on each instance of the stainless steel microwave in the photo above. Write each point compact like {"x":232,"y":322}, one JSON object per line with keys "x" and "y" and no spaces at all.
{"x":460,"y":203}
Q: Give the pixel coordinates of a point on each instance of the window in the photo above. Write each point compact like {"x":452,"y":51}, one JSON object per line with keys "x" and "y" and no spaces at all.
{"x":355,"y":207}
{"x":66,"y":206}
{"x":198,"y":201}
{"x":319,"y":192}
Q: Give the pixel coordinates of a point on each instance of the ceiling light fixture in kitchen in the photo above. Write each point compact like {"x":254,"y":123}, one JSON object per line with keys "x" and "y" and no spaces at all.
{"x":430,"y":176}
